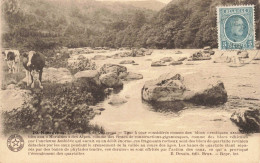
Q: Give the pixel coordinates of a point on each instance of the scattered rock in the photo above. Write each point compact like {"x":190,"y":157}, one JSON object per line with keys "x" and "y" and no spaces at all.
{"x":133,"y":76}
{"x":138,"y":53}
{"x":101,"y":109}
{"x":148,"y":52}
{"x":121,"y":54}
{"x":182,"y":59}
{"x":207,"y":48}
{"x":223,"y":59}
{"x":175,"y":63}
{"x":133,"y":53}
{"x":172,"y":87}
{"x":257,"y":57}
{"x":116,"y":100}
{"x":167,"y":59}
{"x":247,"y":119}
{"x":210,"y":52}
{"x":158,"y":63}
{"x":191,"y":63}
{"x":99,"y":57}
{"x":135,"y":64}
{"x":127,"y":62}
{"x":178,"y":52}
{"x":200,"y":56}
{"x":57,"y":75}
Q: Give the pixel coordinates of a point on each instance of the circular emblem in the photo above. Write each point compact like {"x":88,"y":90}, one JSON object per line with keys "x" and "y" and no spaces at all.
{"x":236,"y":28}
{"x":15,"y":143}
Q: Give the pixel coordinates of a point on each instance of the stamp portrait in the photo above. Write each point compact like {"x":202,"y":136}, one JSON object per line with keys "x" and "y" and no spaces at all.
{"x":236,"y":27}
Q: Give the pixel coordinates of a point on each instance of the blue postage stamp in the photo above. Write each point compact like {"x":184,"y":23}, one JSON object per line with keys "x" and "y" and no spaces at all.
{"x":236,"y":27}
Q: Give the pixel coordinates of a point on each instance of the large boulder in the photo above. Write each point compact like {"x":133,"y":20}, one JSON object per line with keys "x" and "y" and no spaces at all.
{"x":111,"y":80}
{"x":88,"y":75}
{"x":165,"y":88}
{"x":242,"y":54}
{"x":57,"y":75}
{"x":247,"y":119}
{"x":193,"y":88}
{"x":133,"y":76}
{"x":158,"y":63}
{"x":167,"y":59}
{"x":13,"y":98}
{"x":117,"y":69}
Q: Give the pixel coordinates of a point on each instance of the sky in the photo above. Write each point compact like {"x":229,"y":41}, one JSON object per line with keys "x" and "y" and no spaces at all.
{"x":164,"y":1}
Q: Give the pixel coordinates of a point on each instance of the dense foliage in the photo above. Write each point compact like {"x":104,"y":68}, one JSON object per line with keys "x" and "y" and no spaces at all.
{"x":82,"y":64}
{"x":45,"y":24}
{"x":55,"y":110}
{"x":48,"y":24}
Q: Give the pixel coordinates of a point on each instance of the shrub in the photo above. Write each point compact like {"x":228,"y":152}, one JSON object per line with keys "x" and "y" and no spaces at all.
{"x":82,"y":64}
{"x":58,"y":108}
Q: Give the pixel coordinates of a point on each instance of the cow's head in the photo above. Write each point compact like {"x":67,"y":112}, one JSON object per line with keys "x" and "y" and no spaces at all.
{"x":31,"y":54}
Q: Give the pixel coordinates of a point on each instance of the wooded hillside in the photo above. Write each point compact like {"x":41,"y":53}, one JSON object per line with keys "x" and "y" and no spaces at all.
{"x":43,"y":24}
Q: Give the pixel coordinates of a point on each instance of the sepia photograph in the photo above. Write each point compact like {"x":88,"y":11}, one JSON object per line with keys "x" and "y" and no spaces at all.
{"x":130,"y":81}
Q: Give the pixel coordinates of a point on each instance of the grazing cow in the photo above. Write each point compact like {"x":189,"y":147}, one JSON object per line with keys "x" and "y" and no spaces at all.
{"x":33,"y":61}
{"x":13,"y":60}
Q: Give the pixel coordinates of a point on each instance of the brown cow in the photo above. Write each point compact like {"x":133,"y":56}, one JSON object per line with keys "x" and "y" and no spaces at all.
{"x":33,"y":61}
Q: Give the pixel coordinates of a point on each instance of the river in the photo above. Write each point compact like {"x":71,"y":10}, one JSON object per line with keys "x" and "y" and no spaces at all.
{"x":242,"y":85}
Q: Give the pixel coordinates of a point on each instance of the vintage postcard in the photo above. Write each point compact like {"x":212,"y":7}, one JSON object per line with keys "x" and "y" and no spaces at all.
{"x":130,"y":81}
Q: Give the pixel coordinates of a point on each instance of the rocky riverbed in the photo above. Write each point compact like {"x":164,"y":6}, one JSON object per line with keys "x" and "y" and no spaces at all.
{"x":122,"y":75}
{"x":241,"y":84}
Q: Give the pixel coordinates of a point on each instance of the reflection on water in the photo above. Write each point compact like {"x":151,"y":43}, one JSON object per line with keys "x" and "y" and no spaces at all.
{"x":139,"y":115}
{"x":167,"y":107}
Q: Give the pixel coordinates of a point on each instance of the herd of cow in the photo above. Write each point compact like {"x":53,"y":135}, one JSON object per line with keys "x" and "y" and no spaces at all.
{"x":32,"y":62}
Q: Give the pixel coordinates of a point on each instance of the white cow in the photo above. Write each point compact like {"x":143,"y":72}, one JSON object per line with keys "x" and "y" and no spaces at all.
{"x":13,"y":60}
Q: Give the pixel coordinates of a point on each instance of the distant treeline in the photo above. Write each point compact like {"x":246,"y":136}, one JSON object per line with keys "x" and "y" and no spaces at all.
{"x":46,"y":25}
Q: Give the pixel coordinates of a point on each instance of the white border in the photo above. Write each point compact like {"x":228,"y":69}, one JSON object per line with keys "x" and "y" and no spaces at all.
{"x":218,"y":24}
